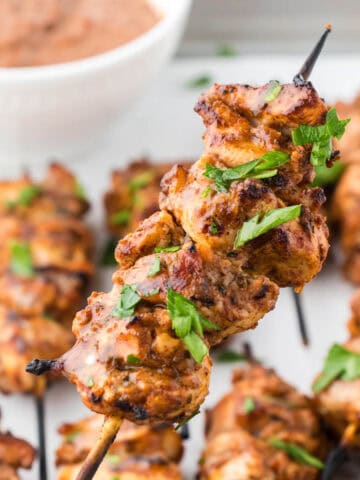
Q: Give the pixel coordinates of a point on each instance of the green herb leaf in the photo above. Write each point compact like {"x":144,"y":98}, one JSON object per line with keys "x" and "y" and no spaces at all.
{"x":187,"y":420}
{"x":273,"y":91}
{"x":320,"y":137}
{"x":80,"y":191}
{"x":200,"y":81}
{"x":206,"y":192}
{"x":155,"y":267}
{"x":226,"y":51}
{"x":297,"y":453}
{"x":121,"y":217}
{"x":25,"y":197}
{"x":90,"y":382}
{"x":142,"y":180}
{"x":255,"y":227}
{"x":21,"y":261}
{"x":127,"y":302}
{"x":152,"y":292}
{"x":249,"y":405}
{"x":113,"y":459}
{"x":174,"y":248}
{"x":328,"y":175}
{"x":339,"y":363}
{"x":230,"y":356}
{"x":108,"y":254}
{"x":132,"y":359}
{"x":69,"y":438}
{"x":263,"y":167}
{"x":214,"y":227}
{"x":188,"y":324}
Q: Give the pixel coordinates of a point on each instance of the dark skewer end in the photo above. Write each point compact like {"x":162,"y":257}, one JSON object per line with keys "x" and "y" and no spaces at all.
{"x":302,"y":77}
{"x":38,"y":367}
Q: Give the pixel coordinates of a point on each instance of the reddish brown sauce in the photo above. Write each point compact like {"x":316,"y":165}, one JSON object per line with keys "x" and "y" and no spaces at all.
{"x":43,"y":32}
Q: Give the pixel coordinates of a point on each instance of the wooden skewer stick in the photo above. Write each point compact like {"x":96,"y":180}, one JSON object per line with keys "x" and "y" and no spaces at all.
{"x":306,"y":69}
{"x":97,"y":453}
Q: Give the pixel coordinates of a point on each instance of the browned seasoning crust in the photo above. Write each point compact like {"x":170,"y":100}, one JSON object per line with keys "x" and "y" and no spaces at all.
{"x":345,"y":203}
{"x":36,"y":311}
{"x":232,"y":288}
{"x":134,"y":190}
{"x":237,"y":442}
{"x":339,"y":403}
{"x":138,"y":452}
{"x":15,"y":454}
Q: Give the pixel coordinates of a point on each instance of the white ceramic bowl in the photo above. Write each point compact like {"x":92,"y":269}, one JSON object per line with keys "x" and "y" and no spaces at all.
{"x":59,"y":110}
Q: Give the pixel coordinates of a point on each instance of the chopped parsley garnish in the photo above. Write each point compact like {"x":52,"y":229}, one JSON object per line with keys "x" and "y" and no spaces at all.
{"x":339,"y":363}
{"x":25,"y":197}
{"x":152,"y":292}
{"x":21,"y":261}
{"x":127,"y":302}
{"x":141,"y":180}
{"x":230,"y":356}
{"x":206,"y":192}
{"x":328,"y":175}
{"x":263,"y":167}
{"x":214,"y":227}
{"x":273,"y":91}
{"x":70,"y":437}
{"x":90,"y":382}
{"x":174,"y":248}
{"x":80,"y":191}
{"x":200,"y":81}
{"x":188,"y":324}
{"x":113,"y":459}
{"x":121,"y":217}
{"x":320,"y":137}
{"x":108,"y":256}
{"x":248,"y":405}
{"x":155,"y":267}
{"x":297,"y":453}
{"x":132,"y":359}
{"x":226,"y":51}
{"x":255,"y":227}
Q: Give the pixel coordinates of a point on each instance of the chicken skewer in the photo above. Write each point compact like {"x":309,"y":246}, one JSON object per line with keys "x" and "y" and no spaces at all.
{"x":138,"y":452}
{"x":14,"y":454}
{"x":138,"y":360}
{"x":263,"y":429}
{"x":45,"y":264}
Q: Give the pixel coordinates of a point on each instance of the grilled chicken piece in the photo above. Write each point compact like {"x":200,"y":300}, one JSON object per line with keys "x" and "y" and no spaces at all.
{"x":339,"y":403}
{"x":138,"y":453}
{"x":231,"y":288}
{"x":37,"y":306}
{"x":239,"y":429}
{"x":133,"y":195}
{"x":345,"y":203}
{"x":14,"y":454}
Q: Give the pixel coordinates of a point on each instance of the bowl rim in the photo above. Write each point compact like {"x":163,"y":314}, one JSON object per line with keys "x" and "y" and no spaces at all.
{"x":102,"y":60}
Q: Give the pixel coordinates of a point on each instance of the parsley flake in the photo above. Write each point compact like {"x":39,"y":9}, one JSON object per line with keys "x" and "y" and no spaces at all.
{"x":230,"y":356}
{"x":113,"y":459}
{"x":21,"y":260}
{"x":132,"y":359}
{"x":90,"y":382}
{"x":320,"y":137}
{"x":25,"y":197}
{"x":226,"y":51}
{"x":155,"y":267}
{"x":255,"y":227}
{"x":273,"y":91}
{"x":80,"y":191}
{"x":339,"y":363}
{"x":142,"y":180}
{"x":70,"y":437}
{"x":214,"y":227}
{"x":188,"y":324}
{"x":264,"y":167}
{"x":206,"y":192}
{"x":297,"y":453}
{"x":200,"y":81}
{"x":108,"y":257}
{"x":173,"y":248}
{"x":248,"y":405}
{"x":121,"y":217}
{"x":129,"y":298}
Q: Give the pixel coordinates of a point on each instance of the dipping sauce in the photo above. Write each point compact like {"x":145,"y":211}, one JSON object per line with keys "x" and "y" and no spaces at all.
{"x":43,"y":32}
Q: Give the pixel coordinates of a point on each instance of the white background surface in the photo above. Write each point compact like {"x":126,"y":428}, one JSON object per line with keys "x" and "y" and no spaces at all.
{"x":164,"y":126}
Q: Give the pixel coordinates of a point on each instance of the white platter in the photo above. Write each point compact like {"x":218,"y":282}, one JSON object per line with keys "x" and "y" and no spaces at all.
{"x":165,"y":127}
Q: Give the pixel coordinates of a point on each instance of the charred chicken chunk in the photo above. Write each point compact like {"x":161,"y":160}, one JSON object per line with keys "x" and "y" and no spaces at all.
{"x":250,"y":430}
{"x":15,"y":454}
{"x":45,"y":264}
{"x":138,"y":452}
